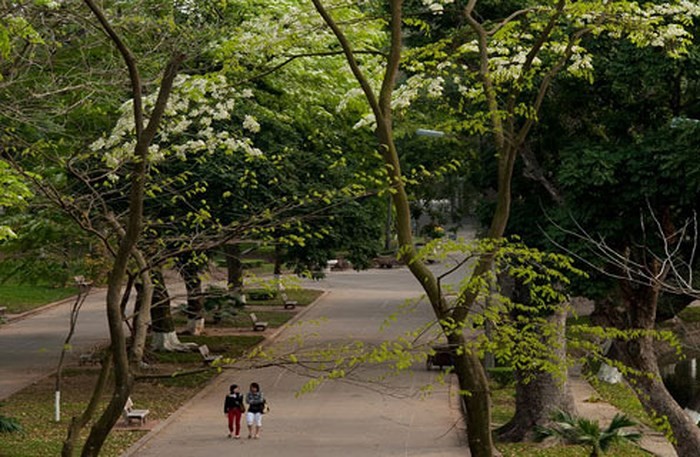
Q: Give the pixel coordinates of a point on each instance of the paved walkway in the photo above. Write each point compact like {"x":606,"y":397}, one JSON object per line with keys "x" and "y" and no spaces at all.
{"x":341,"y":418}
{"x":379,"y":418}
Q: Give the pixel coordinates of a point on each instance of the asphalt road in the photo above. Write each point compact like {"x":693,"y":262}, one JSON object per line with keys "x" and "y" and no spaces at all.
{"x":30,"y":348}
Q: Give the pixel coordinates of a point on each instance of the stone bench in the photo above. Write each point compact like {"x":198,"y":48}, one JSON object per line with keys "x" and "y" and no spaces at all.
{"x":258,"y":326}
{"x":208,"y":357}
{"x":130,"y":413}
{"x":288,"y":304}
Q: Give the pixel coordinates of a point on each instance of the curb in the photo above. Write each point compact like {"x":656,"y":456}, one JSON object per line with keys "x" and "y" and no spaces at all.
{"x":218,"y":379}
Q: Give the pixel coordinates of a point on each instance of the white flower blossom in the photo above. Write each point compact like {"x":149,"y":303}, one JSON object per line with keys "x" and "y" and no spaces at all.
{"x":251,"y":124}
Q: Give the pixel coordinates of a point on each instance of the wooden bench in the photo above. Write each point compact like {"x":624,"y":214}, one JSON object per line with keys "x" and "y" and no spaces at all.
{"x":130,"y":413}
{"x":288,"y":304}
{"x":258,"y":326}
{"x":208,"y":357}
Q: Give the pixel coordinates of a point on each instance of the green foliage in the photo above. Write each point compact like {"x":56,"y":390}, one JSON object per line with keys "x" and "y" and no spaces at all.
{"x":523,"y":336}
{"x":622,"y":397}
{"x":9,"y":424}
{"x":504,"y":376}
{"x":576,"y":430}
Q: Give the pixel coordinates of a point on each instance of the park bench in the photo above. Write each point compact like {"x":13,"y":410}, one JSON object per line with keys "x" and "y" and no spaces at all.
{"x":258,"y":326}
{"x":207,"y":357}
{"x":130,"y":413}
{"x":89,"y":358}
{"x":288,"y":304}
{"x":3,"y":310}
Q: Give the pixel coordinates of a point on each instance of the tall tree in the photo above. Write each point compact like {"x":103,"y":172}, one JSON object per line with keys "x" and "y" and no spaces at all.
{"x":514,"y":69}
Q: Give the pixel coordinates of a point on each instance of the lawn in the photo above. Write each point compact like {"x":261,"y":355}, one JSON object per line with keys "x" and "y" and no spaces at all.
{"x":19,"y":298}
{"x":33,"y":406}
{"x":503,"y":401}
{"x":302,"y":296}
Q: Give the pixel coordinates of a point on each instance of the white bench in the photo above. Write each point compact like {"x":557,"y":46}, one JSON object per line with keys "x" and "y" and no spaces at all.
{"x":289,"y":304}
{"x":130,"y":413}
{"x":258,"y":326}
{"x":207,"y":356}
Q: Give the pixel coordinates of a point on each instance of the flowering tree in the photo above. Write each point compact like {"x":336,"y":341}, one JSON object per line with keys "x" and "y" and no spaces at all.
{"x":504,"y":70}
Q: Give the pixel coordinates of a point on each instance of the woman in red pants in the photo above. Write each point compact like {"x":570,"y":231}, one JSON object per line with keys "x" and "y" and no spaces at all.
{"x":233,"y":407}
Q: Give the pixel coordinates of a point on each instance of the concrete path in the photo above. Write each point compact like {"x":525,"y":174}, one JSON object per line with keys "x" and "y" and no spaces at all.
{"x":338,"y":418}
{"x":342,"y":418}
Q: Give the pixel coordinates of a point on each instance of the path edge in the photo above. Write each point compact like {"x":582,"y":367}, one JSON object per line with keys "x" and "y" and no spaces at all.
{"x":218,"y":379}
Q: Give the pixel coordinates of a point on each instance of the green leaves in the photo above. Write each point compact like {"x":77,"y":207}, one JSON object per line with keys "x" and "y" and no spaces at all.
{"x":576,"y":430}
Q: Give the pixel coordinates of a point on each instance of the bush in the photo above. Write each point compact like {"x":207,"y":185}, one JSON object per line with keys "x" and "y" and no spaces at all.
{"x":261,"y":294}
{"x":504,"y":376}
{"x":9,"y":425}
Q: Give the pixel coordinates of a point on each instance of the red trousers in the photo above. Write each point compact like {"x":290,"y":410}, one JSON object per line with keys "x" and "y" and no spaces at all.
{"x":234,"y":418}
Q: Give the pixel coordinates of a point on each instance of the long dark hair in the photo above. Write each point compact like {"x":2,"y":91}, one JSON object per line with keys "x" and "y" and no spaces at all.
{"x":255,"y":385}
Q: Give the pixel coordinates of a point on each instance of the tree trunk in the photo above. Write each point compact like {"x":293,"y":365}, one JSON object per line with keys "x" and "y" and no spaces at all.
{"x":656,"y":399}
{"x":475,"y":398}
{"x":543,"y":394}
{"x":164,"y":338}
{"x":537,"y":394}
{"x":639,"y":313}
{"x":161,"y":317}
{"x":78,"y":423}
{"x":195,"y":298}
{"x":142,"y":317}
{"x":234,"y":266}
{"x":278,"y":262}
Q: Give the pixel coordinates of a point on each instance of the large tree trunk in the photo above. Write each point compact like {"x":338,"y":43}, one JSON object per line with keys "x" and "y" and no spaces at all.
{"x":195,"y":298}
{"x":164,"y":337}
{"x":539,"y":394}
{"x":640,"y":313}
{"x":234,"y":267}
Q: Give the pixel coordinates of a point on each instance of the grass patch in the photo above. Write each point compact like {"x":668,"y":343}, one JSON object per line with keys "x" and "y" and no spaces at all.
{"x":623,"y":398}
{"x":33,"y":406}
{"x":502,"y":404}
{"x":503,"y":408}
{"x":19,"y":298}
{"x":302,"y":296}
{"x":539,"y":450}
{"x":690,"y":314}
{"x":240,"y":320}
